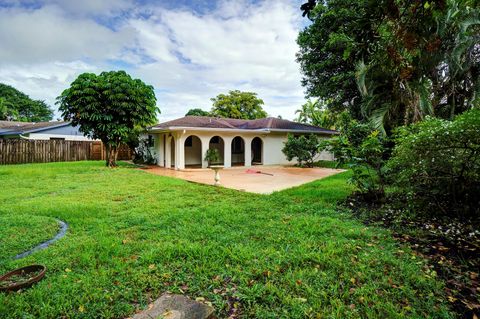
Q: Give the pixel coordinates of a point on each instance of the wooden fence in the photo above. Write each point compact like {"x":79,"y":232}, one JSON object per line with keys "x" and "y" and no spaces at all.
{"x":16,"y":151}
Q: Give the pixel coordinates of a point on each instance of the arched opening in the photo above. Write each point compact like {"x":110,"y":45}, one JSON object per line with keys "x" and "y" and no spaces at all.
{"x":257,"y":151}
{"x":193,"y":152}
{"x":216,"y":142}
{"x":238,"y":151}
{"x":172,"y":152}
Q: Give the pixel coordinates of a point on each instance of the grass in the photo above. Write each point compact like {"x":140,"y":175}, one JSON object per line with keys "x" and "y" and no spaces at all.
{"x":20,"y":233}
{"x":133,"y":236}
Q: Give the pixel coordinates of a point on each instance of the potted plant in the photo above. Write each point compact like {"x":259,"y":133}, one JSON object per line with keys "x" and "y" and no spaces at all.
{"x":212,"y":156}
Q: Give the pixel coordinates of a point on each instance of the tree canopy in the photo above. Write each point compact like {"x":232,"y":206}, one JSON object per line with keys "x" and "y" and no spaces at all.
{"x":17,"y":106}
{"x":238,"y":105}
{"x":197,"y":112}
{"x":110,"y":107}
{"x":392,"y":62}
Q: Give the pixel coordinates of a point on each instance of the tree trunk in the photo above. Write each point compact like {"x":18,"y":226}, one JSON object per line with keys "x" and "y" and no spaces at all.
{"x":107,"y":154}
{"x":114,"y":156}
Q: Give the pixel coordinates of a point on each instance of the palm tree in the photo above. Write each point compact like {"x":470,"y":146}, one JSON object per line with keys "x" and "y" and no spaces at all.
{"x":316,"y":113}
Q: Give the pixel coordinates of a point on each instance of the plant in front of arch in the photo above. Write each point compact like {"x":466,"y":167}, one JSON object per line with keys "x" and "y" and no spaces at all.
{"x":212,"y":156}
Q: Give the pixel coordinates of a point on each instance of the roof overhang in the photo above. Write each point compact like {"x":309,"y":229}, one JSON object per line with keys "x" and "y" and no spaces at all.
{"x":206,"y":129}
{"x":253,"y":131}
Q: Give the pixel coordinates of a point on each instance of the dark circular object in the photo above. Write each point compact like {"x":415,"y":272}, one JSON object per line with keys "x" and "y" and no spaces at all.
{"x":38,"y":270}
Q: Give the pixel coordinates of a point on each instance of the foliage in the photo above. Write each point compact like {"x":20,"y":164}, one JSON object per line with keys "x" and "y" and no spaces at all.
{"x":238,"y":105}
{"x":17,"y":106}
{"x":365,"y":151}
{"x":437,"y":163}
{"x":197,"y":112}
{"x":110,"y":107}
{"x":144,"y":154}
{"x":339,"y":35}
{"x":304,"y":148}
{"x":315,"y":113}
{"x":257,"y":256}
{"x":212,"y":155}
{"x":407,"y":58}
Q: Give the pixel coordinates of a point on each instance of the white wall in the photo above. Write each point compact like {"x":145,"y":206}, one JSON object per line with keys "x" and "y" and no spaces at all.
{"x":67,"y":132}
{"x":39,"y":136}
{"x":273,"y":145}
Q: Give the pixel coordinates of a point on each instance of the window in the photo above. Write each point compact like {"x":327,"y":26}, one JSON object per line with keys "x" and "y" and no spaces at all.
{"x":215,"y":140}
{"x":189,"y":142}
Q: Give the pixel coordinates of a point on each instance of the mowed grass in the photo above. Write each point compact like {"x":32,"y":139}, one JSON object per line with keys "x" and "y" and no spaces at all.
{"x":133,"y":236}
{"x":22,"y":232}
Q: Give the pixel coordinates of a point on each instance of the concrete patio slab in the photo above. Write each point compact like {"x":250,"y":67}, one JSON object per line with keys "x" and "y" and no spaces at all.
{"x":271,"y":178}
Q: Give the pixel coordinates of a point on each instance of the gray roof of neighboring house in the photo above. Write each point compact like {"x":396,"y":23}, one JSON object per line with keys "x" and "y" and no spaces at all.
{"x":266,"y":124}
{"x":14,"y":128}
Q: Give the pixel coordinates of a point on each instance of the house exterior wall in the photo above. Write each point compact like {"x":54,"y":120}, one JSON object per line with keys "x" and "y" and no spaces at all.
{"x":179,"y":156}
{"x":68,"y":132}
{"x":273,"y":145}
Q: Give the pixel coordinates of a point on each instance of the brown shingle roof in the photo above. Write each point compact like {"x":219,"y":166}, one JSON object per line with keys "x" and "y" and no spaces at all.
{"x":265,"y":124}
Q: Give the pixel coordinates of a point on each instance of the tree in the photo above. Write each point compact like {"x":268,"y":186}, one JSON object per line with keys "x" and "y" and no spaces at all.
{"x":110,"y":107}
{"x":17,"y":106}
{"x":197,"y":112}
{"x":392,"y":62}
{"x":238,"y":105}
{"x":7,"y":111}
{"x":316,"y":113}
{"x":341,"y":34}
{"x":303,"y":148}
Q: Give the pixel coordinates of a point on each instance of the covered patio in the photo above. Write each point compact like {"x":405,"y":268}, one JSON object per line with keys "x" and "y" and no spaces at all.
{"x":259,"y":179}
{"x":186,"y":149}
{"x":182,"y":143}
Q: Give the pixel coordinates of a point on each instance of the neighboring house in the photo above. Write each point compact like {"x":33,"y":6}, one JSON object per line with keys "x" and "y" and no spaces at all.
{"x":183,"y":142}
{"x":41,"y":131}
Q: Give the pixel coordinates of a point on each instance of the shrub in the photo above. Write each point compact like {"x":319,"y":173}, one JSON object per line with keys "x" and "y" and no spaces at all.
{"x":437,"y":163}
{"x":365,"y":151}
{"x":304,"y":148}
{"x":143,"y":153}
{"x":212,"y":156}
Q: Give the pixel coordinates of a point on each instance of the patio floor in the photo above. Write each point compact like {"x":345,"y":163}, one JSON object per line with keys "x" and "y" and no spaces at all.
{"x":272,"y":178}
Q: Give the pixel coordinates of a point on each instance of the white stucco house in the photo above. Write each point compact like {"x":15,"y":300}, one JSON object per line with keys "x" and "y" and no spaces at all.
{"x":182,"y":143}
{"x":55,"y":130}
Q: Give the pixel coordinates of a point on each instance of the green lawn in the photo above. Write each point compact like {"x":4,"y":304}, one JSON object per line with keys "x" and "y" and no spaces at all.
{"x":133,"y":236}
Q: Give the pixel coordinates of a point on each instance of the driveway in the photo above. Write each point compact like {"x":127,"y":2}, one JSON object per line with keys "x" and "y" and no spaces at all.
{"x":256,"y":179}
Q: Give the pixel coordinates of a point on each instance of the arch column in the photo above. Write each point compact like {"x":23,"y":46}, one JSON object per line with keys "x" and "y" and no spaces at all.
{"x":248,"y":150}
{"x":168,"y":151}
{"x":159,"y":148}
{"x":180,"y":150}
{"x":205,"y":145}
{"x":227,"y":151}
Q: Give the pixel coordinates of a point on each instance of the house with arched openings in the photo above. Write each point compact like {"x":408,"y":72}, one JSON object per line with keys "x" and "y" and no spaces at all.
{"x":182,"y":143}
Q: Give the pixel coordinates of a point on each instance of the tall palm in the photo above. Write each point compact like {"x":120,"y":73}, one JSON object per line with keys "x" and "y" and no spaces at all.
{"x":316,"y":113}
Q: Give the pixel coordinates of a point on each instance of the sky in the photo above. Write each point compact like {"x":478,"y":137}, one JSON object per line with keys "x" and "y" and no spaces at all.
{"x":190,"y":51}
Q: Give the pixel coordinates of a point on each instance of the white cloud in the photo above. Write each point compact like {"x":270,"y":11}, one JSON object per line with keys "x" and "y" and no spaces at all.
{"x":43,"y":35}
{"x":188,"y":57}
{"x":46,"y":80}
